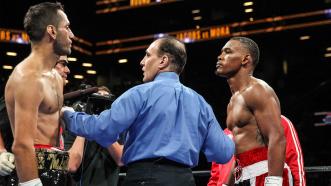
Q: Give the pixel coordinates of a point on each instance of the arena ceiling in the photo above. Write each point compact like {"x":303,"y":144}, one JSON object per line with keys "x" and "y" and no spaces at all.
{"x":172,"y":15}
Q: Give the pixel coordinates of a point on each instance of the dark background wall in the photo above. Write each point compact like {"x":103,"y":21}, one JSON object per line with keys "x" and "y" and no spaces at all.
{"x":296,"y":69}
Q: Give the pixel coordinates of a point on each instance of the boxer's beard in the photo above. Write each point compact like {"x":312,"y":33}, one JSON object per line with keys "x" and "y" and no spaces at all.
{"x":59,"y":48}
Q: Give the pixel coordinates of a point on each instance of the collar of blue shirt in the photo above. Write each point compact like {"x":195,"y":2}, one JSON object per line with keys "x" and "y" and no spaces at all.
{"x":167,"y":75}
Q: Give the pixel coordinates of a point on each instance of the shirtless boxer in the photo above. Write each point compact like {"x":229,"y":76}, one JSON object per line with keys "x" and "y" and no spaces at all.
{"x":34,"y":93}
{"x":220,"y":173}
{"x":253,"y":115}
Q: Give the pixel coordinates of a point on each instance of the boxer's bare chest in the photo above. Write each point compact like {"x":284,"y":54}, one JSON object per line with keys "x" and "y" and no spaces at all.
{"x":238,"y":115}
{"x":52,"y":92}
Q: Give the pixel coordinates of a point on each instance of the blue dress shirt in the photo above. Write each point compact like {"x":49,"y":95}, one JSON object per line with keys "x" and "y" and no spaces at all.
{"x":163,"y":118}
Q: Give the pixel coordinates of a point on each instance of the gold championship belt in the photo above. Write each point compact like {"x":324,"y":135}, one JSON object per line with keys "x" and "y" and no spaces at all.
{"x":49,"y":159}
{"x":52,"y":166}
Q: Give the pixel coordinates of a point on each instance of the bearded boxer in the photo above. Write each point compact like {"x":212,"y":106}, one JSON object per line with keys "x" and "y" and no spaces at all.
{"x":34,"y":95}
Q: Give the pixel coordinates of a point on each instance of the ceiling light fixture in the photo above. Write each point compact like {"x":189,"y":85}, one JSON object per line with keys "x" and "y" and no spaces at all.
{"x":87,"y":64}
{"x":304,"y":37}
{"x":78,"y":76}
{"x":159,"y":35}
{"x":7,"y":67}
{"x":248,"y":10}
{"x":196,"y":18}
{"x":72,"y":59}
{"x":11,"y":53}
{"x":248,"y":3}
{"x":91,"y":72}
{"x":187,"y":40}
{"x":195,"y":11}
{"x":123,"y":61}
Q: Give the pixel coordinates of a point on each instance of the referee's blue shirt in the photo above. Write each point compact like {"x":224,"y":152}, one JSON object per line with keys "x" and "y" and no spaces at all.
{"x":163,"y":118}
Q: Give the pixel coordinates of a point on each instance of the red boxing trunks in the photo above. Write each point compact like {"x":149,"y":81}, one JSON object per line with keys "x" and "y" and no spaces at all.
{"x":252,"y":168}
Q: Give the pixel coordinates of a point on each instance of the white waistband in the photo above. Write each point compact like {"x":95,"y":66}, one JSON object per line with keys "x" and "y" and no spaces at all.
{"x":254,"y":170}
